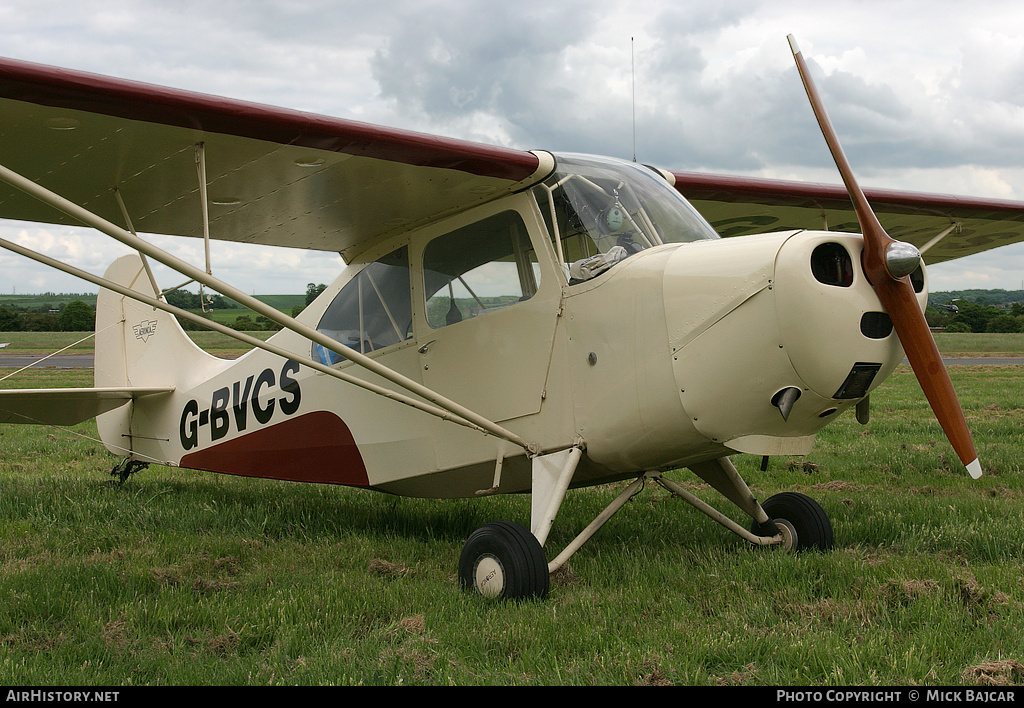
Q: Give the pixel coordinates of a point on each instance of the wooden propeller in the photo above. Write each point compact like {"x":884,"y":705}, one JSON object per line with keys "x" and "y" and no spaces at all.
{"x":888,"y":264}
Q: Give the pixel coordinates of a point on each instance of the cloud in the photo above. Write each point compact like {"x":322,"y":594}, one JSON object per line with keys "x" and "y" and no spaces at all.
{"x":929,"y":98}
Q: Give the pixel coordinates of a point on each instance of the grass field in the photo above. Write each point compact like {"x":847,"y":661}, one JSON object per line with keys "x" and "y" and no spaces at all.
{"x":40,"y":343}
{"x":185,"y":578}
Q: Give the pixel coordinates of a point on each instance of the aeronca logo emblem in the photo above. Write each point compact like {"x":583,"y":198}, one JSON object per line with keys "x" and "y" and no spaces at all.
{"x":145,"y":329}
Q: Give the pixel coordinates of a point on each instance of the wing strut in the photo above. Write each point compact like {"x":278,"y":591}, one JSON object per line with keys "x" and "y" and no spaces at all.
{"x":241,"y":336}
{"x":443,"y":407}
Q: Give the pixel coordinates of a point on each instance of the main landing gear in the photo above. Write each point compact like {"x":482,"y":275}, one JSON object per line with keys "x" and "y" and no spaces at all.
{"x":801,"y":521}
{"x":505,"y":560}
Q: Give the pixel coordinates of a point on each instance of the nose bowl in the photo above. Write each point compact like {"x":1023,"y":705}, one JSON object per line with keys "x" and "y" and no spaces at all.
{"x":838,"y":337}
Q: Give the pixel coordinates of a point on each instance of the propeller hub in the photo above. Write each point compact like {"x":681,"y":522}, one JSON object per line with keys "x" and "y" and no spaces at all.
{"x":901,"y":259}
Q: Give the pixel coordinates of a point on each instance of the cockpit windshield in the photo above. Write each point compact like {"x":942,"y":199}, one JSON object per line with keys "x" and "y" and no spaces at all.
{"x":600,"y":211}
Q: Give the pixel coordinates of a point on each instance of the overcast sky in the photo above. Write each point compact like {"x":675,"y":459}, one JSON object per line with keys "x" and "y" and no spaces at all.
{"x":926,"y":96}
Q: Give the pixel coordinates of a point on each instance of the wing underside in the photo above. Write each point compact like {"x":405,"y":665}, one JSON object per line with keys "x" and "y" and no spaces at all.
{"x":273,"y":176}
{"x":943,"y":227}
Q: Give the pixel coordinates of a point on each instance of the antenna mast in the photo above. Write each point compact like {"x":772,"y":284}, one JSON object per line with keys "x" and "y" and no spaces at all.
{"x":632,"y":76}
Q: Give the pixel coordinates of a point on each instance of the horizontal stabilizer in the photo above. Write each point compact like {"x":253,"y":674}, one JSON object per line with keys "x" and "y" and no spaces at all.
{"x":66,"y":406}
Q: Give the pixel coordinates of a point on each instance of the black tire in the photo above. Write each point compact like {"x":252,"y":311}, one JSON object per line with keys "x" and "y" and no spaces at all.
{"x":504,"y":560}
{"x":807,"y":522}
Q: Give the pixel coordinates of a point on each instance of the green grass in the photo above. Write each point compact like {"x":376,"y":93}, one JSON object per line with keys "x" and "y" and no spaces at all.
{"x":987,"y":344}
{"x":185,"y":578}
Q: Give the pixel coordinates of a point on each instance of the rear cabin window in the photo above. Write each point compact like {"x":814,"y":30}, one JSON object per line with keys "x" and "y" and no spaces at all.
{"x":478,"y":269}
{"x":372,"y":311}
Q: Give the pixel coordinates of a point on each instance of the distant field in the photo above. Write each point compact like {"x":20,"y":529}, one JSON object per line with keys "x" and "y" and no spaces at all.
{"x":49,"y":342}
{"x":284,"y":303}
{"x":1011,"y":344}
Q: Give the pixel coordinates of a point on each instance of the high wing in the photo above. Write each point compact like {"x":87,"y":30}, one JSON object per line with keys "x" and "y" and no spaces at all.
{"x":286,"y":178}
{"x":736,"y":206}
{"x":274,"y":176}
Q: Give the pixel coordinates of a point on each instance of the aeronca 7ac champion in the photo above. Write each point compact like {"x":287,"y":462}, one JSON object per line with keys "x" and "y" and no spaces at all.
{"x":509,"y":321}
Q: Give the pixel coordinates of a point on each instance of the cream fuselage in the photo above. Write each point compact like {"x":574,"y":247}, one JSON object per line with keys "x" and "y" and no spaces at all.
{"x":669,"y":358}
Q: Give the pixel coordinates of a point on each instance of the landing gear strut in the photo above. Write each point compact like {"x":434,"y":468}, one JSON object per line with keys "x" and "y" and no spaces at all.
{"x":505,"y":560}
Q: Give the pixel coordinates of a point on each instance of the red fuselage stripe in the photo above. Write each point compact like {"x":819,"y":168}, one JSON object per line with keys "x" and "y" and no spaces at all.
{"x":315,"y":447}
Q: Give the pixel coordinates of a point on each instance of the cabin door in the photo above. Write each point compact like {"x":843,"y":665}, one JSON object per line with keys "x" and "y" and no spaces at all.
{"x":490,"y":309}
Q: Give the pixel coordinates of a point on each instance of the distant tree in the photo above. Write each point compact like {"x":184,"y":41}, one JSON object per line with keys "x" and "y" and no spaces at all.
{"x":219,"y":302}
{"x":10,"y":321}
{"x":975,"y":316}
{"x":1004,"y":323}
{"x":244,"y":323}
{"x":268,"y":324}
{"x":187,"y":300}
{"x":40,"y":322}
{"x":313,"y":290}
{"x":76,"y":316}
{"x":192,"y":326}
{"x":183,"y":299}
{"x":938,"y":316}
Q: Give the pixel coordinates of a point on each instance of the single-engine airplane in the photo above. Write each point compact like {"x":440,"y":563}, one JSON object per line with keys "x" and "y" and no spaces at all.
{"x":508,"y":321}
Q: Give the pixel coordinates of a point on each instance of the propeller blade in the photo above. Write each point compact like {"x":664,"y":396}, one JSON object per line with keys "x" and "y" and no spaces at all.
{"x":887,"y":264}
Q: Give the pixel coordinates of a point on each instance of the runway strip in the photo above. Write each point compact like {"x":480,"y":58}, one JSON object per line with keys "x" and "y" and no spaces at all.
{"x":57,"y":361}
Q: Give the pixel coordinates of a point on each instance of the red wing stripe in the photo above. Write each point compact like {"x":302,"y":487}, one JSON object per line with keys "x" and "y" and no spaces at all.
{"x":63,"y":88}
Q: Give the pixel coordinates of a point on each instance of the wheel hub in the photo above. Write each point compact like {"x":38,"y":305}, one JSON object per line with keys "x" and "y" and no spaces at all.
{"x":489,"y":576}
{"x":788,"y":533}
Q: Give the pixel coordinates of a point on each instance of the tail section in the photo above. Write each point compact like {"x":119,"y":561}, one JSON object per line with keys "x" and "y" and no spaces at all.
{"x":138,"y":345}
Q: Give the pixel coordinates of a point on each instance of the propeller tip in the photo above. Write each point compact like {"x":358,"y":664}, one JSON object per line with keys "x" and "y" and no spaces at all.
{"x":974,"y":469}
{"x":792,"y":44}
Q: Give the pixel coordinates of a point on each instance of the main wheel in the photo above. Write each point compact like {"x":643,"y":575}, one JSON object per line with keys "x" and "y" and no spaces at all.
{"x":503,"y":559}
{"x":802,"y":521}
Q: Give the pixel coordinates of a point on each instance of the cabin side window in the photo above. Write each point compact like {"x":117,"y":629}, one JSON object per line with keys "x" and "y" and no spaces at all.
{"x":372,"y":311}
{"x":479,"y":268}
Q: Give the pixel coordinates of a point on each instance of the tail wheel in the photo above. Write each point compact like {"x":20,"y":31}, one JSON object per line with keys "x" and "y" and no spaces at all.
{"x":801,"y":520}
{"x":504,"y":560}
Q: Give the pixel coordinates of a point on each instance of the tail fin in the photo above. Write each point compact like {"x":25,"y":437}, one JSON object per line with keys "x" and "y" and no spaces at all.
{"x":138,"y":344}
